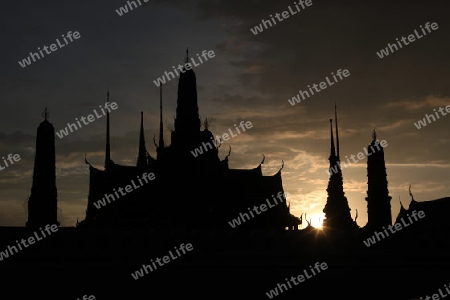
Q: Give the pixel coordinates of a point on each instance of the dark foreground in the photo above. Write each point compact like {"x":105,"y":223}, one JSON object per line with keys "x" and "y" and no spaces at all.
{"x":222,"y":265}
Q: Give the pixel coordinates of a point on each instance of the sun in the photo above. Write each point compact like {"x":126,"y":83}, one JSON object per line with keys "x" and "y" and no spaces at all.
{"x":316,"y":221}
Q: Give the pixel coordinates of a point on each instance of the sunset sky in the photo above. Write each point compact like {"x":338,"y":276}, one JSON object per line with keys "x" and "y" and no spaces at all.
{"x":250,"y":78}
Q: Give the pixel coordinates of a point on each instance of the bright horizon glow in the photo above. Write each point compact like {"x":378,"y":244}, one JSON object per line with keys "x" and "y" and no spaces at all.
{"x":316,"y":220}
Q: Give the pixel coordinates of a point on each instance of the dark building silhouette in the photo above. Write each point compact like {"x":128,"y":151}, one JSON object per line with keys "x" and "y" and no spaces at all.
{"x":189,"y":191}
{"x":337,"y":210}
{"x":378,"y":199}
{"x":434,"y":210}
{"x":42,"y":203}
{"x":203,"y":192}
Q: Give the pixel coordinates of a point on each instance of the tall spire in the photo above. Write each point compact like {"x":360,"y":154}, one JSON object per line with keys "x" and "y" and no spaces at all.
{"x":378,"y":199}
{"x":332,"y":149}
{"x":187,"y":121}
{"x":42,"y":203}
{"x":337,"y":130}
{"x":108,"y":147}
{"x":161,"y":127}
{"x":337,"y":210}
{"x":142,"y":156}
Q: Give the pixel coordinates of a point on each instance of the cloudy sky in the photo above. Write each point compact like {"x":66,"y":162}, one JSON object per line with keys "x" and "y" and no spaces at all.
{"x":250,"y":78}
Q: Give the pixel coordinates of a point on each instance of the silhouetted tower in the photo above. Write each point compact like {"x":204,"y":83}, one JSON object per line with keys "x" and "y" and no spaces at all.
{"x":108,"y":146}
{"x":378,"y":199}
{"x":161,"y":146}
{"x":187,"y":121}
{"x":142,"y":156}
{"x":42,"y":203}
{"x":337,"y":211}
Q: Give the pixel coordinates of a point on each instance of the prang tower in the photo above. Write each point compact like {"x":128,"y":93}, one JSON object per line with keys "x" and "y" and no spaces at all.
{"x":42,"y":203}
{"x":337,"y":211}
{"x":378,"y":199}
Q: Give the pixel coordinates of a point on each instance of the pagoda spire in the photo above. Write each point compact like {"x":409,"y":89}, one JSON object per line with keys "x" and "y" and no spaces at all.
{"x":108,"y":147}
{"x":332,"y":149}
{"x":142,"y":156}
{"x":337,"y":131}
{"x":187,"y":120}
{"x":161,"y":127}
{"x":42,"y":202}
{"x":378,"y":199}
{"x":337,"y":210}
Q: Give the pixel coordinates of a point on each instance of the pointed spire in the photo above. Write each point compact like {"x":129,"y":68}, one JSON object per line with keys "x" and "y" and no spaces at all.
{"x":206,"y":124}
{"x":46,"y":114}
{"x":187,"y":120}
{"x":337,"y":210}
{"x":161,"y":127}
{"x":332,"y":149}
{"x":142,"y":156}
{"x":378,"y":199}
{"x":337,"y":131}
{"x":108,"y":147}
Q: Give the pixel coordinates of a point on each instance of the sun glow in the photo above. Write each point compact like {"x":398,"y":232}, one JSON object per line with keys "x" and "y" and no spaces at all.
{"x":316,"y":221}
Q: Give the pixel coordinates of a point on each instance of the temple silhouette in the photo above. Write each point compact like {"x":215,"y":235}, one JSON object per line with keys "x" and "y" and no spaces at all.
{"x":194,"y":192}
{"x":202,"y":192}
{"x":192,"y":199}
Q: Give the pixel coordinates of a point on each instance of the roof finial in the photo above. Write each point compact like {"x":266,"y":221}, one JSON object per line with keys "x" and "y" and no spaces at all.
{"x":374,"y":135}
{"x":412,"y":197}
{"x":206,"y":124}
{"x":46,"y":114}
{"x":187,"y":54}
